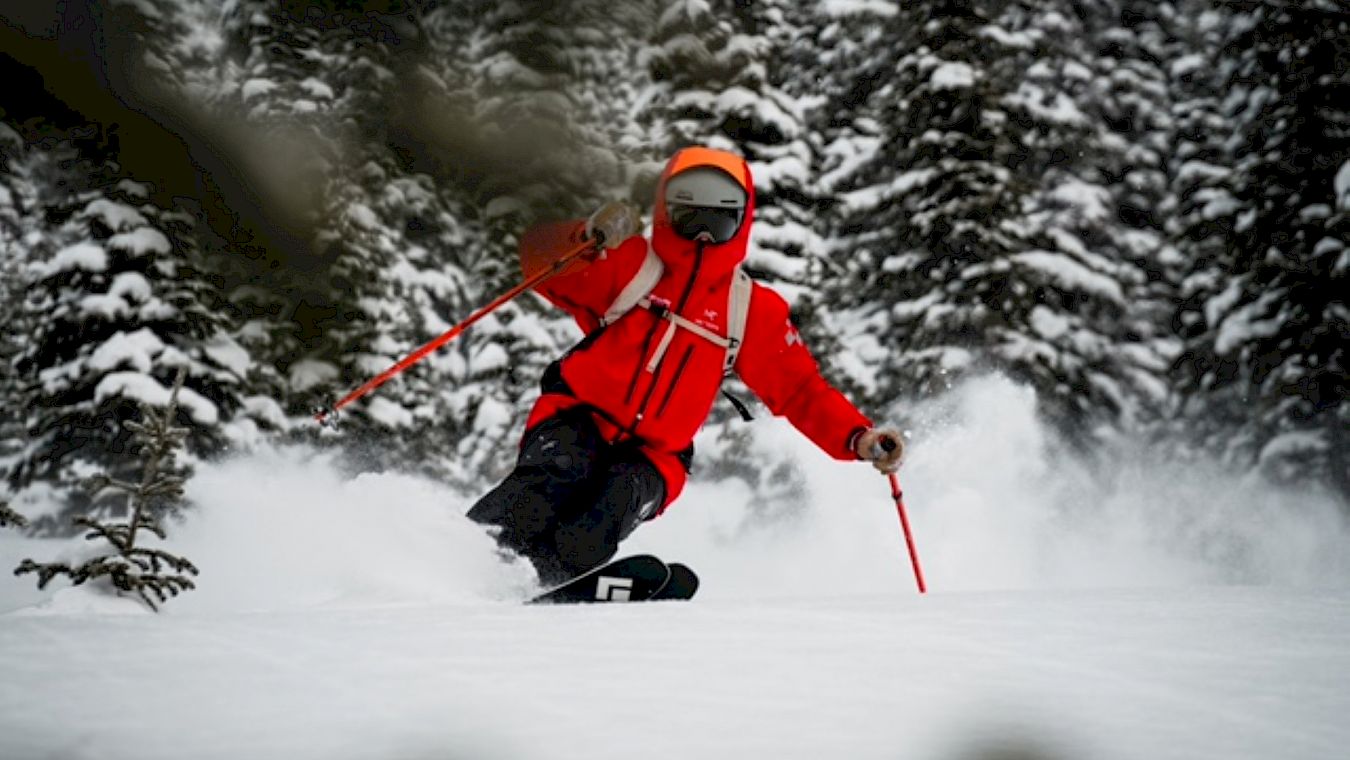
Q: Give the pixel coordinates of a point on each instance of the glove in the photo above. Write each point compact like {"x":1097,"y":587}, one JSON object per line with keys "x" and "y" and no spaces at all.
{"x":613,"y":223}
{"x":883,"y":447}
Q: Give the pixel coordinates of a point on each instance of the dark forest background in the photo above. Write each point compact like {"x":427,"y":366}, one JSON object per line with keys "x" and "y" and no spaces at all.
{"x":1137,"y":208}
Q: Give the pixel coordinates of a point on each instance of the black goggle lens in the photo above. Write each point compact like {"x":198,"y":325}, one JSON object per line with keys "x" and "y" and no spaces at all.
{"x":689,"y":221}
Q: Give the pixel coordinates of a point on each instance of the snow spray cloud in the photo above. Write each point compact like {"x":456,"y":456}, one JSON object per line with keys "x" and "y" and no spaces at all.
{"x":997,"y":502}
{"x":286,"y":528}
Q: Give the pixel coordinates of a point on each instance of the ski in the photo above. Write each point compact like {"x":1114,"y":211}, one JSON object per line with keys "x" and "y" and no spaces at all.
{"x":682,"y":585}
{"x":631,"y":579}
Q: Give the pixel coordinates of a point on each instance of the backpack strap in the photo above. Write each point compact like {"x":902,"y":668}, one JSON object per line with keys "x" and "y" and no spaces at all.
{"x":637,"y":288}
{"x":738,"y":312}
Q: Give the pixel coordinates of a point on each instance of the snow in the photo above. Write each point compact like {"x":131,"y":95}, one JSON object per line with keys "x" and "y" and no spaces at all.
{"x":310,"y":373}
{"x":1188,"y":64}
{"x":1248,"y":322}
{"x":742,"y":101}
{"x":388,"y":413}
{"x":843,"y":8}
{"x":492,"y":415}
{"x":131,"y":286}
{"x":1055,"y":107}
{"x":135,"y":350}
{"x":1015,"y":40}
{"x":1047,"y":323}
{"x":141,"y":241}
{"x":1069,"y":274}
{"x":952,"y":76}
{"x":1342,"y":184}
{"x":1165,"y":610}
{"x":116,"y":216}
{"x":144,"y":388}
{"x":1293,"y":444}
{"x":226,"y":352}
{"x":85,"y":255}
{"x":489,"y":357}
{"x":901,"y":184}
{"x":317,"y":89}
{"x":256,"y":87}
{"x":363,"y":217}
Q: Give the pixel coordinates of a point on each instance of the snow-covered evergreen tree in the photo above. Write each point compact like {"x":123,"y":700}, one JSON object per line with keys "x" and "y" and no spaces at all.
{"x":1202,"y":211}
{"x":15,"y":195}
{"x":112,"y":291}
{"x":1272,"y":354}
{"x":983,"y":233}
{"x":1073,"y":329}
{"x":922,"y":198}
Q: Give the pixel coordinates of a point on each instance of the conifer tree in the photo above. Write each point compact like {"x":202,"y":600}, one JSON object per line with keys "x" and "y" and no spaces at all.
{"x":151,"y":574}
{"x":923,"y":201}
{"x":1202,"y":210}
{"x":1275,"y":324}
{"x":111,"y":284}
{"x":982,"y":234}
{"x":1075,"y":333}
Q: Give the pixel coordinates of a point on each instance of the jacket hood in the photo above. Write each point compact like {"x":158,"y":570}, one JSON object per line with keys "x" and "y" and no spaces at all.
{"x":718,"y":260}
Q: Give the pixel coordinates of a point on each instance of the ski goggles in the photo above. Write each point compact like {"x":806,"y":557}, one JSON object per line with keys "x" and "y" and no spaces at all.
{"x":690,"y":222}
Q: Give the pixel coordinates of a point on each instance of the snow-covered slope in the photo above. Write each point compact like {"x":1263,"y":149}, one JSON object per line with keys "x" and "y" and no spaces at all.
{"x":1212,"y":673}
{"x":1160,"y":612}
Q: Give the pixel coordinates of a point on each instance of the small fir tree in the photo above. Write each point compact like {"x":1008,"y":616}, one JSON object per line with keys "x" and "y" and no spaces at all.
{"x":151,"y":574}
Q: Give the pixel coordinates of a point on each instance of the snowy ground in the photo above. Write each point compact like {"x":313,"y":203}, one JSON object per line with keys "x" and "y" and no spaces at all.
{"x":1159,"y":613}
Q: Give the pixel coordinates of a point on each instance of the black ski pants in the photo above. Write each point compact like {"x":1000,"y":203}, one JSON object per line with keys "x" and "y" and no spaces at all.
{"x":571,"y":498}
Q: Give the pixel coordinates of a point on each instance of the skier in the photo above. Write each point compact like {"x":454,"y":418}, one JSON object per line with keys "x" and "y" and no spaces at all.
{"x":608,"y":444}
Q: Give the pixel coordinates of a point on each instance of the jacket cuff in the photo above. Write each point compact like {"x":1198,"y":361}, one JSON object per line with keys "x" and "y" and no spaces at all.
{"x":853,"y":440}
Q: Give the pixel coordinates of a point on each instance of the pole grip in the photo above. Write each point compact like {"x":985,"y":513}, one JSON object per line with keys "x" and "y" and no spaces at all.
{"x":882,"y":447}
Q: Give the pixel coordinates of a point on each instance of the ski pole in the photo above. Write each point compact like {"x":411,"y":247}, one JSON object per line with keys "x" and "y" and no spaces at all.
{"x":887,"y":445}
{"x":909,"y":536}
{"x":329,"y":415}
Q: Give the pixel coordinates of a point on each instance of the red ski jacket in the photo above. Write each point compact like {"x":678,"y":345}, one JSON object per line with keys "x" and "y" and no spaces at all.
{"x":663,"y":408}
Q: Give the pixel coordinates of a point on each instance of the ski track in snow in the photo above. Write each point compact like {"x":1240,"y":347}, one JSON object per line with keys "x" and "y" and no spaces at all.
{"x":1161,"y":611}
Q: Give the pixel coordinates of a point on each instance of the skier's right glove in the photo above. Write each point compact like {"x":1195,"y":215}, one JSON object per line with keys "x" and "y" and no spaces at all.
{"x":613,"y":223}
{"x":883,"y":447}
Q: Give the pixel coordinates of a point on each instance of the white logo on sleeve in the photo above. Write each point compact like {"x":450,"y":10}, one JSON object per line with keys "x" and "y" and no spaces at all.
{"x":609,"y":589}
{"x":793,"y":337}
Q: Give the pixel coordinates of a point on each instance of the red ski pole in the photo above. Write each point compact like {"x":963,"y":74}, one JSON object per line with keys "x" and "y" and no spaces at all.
{"x":909,"y":536}
{"x":887,"y":445}
{"x":326,"y":416}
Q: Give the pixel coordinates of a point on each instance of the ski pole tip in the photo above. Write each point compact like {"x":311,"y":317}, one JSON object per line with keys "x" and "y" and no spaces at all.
{"x":326,"y":416}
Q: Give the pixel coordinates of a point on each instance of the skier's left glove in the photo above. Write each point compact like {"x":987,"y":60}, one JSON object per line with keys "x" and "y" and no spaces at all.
{"x":613,"y":223}
{"x":883,"y":447}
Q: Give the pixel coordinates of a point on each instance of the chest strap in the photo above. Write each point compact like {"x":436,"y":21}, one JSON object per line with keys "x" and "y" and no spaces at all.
{"x":674,"y":321}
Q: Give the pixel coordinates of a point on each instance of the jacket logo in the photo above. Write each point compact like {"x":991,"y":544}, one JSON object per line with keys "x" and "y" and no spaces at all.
{"x":710,"y":315}
{"x":793,"y":337}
